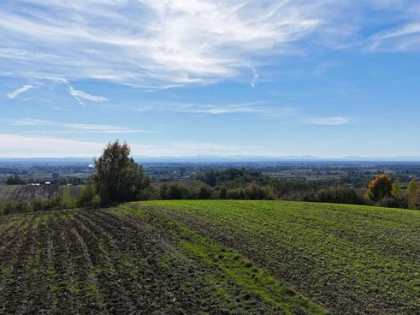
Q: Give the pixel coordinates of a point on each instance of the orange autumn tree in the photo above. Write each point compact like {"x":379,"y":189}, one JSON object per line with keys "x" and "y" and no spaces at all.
{"x":379,"y":187}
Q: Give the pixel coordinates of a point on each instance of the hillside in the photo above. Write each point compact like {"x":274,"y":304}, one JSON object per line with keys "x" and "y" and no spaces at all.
{"x":243,"y":257}
{"x":349,"y":259}
{"x":30,"y":193}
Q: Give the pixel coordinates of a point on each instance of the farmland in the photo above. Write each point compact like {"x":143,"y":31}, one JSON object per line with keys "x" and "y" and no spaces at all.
{"x":69,"y":194}
{"x":233,"y":257}
{"x":9,"y":192}
{"x":349,"y":259}
{"x":105,"y":261}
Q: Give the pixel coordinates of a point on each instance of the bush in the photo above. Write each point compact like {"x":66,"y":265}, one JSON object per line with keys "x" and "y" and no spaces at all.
{"x":393,"y":202}
{"x":32,"y":206}
{"x":204,"y":192}
{"x":173,"y":191}
{"x":88,"y":198}
{"x":336,"y":195}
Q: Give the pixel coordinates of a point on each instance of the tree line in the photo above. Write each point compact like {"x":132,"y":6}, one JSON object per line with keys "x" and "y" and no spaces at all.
{"x":118,"y":178}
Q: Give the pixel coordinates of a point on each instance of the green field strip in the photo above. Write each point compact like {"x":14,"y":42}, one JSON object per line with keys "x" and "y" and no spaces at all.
{"x":240,"y":270}
{"x":313,"y":233}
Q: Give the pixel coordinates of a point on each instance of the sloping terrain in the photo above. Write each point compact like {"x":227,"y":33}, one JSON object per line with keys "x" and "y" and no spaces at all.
{"x":128,"y":262}
{"x":349,"y":259}
{"x":9,"y":192}
{"x":69,"y":194}
{"x":21,"y":193}
{"x":215,"y":257}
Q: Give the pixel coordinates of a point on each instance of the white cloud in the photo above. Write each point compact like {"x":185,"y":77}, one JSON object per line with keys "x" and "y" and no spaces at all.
{"x":13,"y":145}
{"x":327,"y":121}
{"x":404,"y":38}
{"x":60,"y":127}
{"x":86,"y":128}
{"x":255,"y":77}
{"x":153,"y":43}
{"x":19,"y":91}
{"x":80,"y":95}
{"x":404,"y":33}
{"x":211,"y":109}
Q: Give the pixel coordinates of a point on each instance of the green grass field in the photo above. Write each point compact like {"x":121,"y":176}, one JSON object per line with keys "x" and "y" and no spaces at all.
{"x":350,"y":259}
{"x":212,"y":257}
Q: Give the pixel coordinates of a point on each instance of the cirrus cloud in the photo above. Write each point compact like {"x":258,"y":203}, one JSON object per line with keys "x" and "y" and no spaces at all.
{"x":152,"y":43}
{"x":12,"y":95}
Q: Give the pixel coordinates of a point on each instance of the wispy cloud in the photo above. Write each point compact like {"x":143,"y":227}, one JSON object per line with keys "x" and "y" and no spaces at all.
{"x":72,"y":127}
{"x":19,"y":91}
{"x":255,"y":78}
{"x":327,"y":121}
{"x":404,"y":38}
{"x":176,"y":43}
{"x":80,"y":95}
{"x":211,"y":109}
{"x":404,"y":33}
{"x":13,"y":145}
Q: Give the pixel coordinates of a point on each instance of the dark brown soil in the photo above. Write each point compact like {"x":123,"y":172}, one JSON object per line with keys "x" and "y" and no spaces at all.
{"x":98,"y":262}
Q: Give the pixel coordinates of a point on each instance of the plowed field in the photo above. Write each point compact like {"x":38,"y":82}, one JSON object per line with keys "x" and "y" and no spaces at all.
{"x":126,"y":262}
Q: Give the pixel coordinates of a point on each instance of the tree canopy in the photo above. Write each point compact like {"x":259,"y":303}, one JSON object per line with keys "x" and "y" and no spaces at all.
{"x":380,"y":187}
{"x":118,"y":178}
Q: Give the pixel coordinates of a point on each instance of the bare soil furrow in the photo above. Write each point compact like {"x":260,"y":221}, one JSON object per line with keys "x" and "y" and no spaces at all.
{"x":10,"y":234}
{"x":13,"y":265}
{"x":110,"y":284}
{"x":64,"y":280}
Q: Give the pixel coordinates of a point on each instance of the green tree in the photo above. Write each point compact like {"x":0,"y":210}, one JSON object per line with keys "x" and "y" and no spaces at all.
{"x":379,"y":187}
{"x":117,"y":177}
{"x":413,"y":194}
{"x":14,"y":180}
{"x":396,"y":189}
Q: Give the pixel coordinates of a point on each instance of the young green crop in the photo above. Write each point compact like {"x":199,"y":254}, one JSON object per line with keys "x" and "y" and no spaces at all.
{"x":349,"y":259}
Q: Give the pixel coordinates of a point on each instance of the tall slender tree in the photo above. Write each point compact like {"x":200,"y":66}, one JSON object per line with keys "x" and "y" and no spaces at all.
{"x":413,"y":194}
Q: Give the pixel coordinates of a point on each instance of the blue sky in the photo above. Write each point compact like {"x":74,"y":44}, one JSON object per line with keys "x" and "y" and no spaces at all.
{"x":328,"y":78}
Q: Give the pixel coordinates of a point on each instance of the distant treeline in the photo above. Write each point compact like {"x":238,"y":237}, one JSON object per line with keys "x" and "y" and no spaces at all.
{"x":243,"y":184}
{"x":251,"y":185}
{"x":15,"y":179}
{"x":118,"y":178}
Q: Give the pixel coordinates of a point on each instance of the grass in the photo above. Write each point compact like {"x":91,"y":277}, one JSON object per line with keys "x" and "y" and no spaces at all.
{"x":349,"y":259}
{"x":104,"y":261}
{"x":69,"y":194}
{"x":212,"y":257}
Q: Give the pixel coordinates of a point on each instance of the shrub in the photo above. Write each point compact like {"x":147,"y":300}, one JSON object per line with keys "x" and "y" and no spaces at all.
{"x":173,"y":191}
{"x":336,"y":195}
{"x":32,"y":206}
{"x":88,"y":198}
{"x":393,"y":202}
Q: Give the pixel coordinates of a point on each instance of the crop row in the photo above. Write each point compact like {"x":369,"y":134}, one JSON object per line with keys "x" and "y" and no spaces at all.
{"x":107,"y":262}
